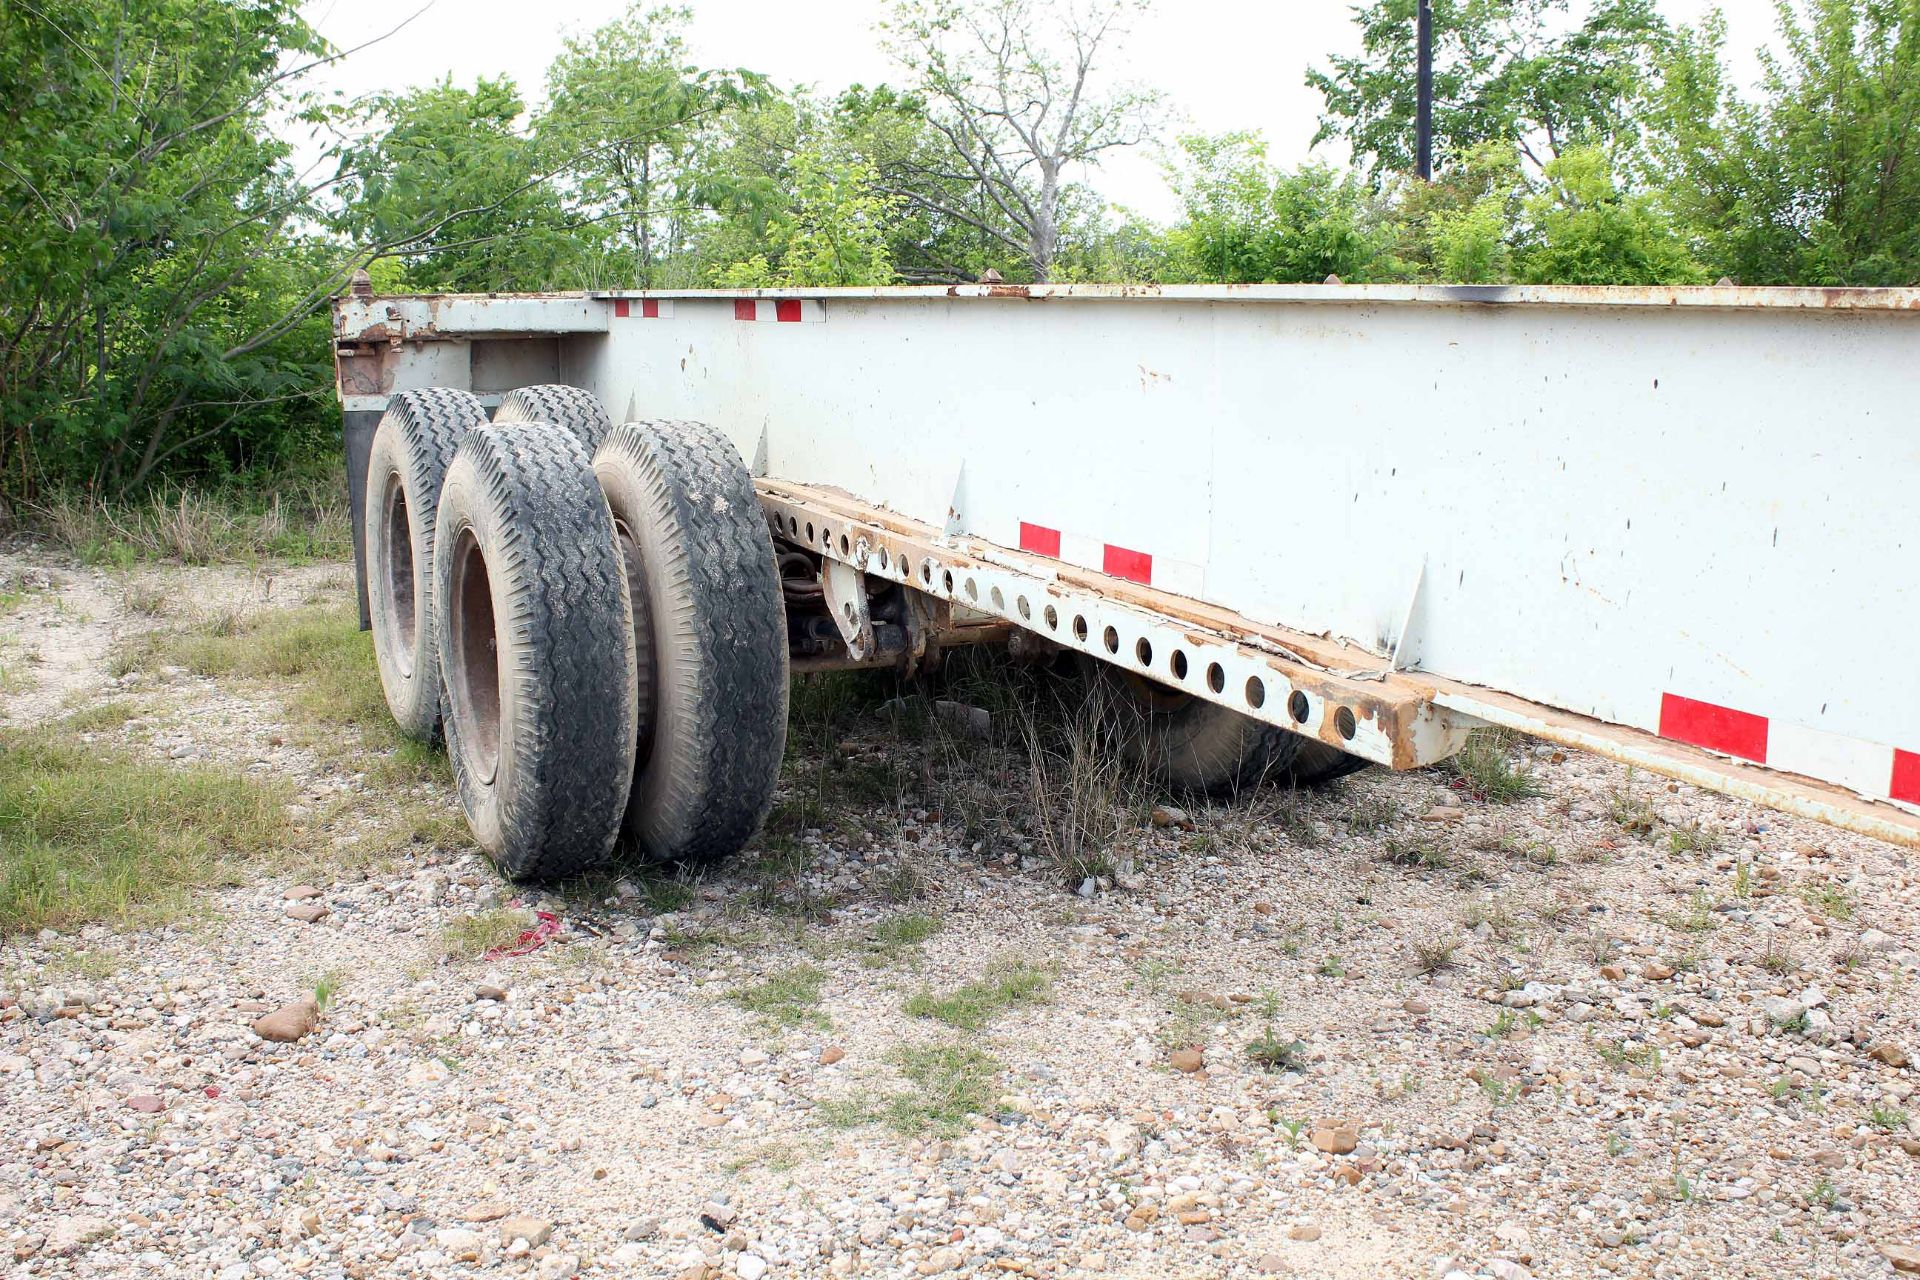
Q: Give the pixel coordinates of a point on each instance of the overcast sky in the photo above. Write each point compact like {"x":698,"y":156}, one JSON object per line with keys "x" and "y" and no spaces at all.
{"x":1223,"y":64}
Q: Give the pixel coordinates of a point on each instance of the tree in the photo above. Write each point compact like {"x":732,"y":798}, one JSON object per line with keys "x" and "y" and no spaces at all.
{"x":1244,"y":220}
{"x":629,"y":114}
{"x":1583,"y":229}
{"x":158,"y":307}
{"x":1818,"y":181}
{"x":1011,"y":86}
{"x":1504,"y":71}
{"x":456,"y":187}
{"x":832,"y":233}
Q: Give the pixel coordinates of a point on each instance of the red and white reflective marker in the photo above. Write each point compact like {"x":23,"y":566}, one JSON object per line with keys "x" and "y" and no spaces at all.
{"x":1143,"y":567}
{"x":780,"y":310}
{"x":1868,"y":768}
{"x":642,"y":308}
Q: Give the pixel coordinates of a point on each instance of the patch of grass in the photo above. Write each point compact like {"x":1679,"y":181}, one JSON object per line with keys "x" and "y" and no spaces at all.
{"x":1835,"y":901}
{"x":148,"y":599}
{"x":1699,"y":915}
{"x":471,"y":936}
{"x":947,"y":1086}
{"x":1497,"y":915}
{"x":1432,"y":957}
{"x":1272,"y":1050}
{"x":1079,"y":789}
{"x":326,"y":987}
{"x":1692,"y":838}
{"x":96,"y":717}
{"x":1886,"y":1119}
{"x":1743,"y":880}
{"x":1277,"y":1053}
{"x":1006,"y":984}
{"x":902,"y":883}
{"x":1370,"y":814}
{"x":1331,"y":967}
{"x":1486,"y":769}
{"x":1626,"y":1055}
{"x":297,"y":516}
{"x":1422,"y":852}
{"x":1631,"y":812}
{"x":789,"y":998}
{"x":664,"y":894}
{"x":1504,"y":1025}
{"x":325,"y":663}
{"x":1778,"y":960}
{"x":92,"y":833}
{"x":897,"y":936}
{"x":89,"y":963}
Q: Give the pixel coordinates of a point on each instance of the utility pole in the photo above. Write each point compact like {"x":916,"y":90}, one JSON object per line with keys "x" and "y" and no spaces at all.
{"x":1423,"y":112}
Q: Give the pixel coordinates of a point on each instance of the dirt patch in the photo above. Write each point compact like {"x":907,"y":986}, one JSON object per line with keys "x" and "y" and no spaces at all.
{"x":1614,"y":1026}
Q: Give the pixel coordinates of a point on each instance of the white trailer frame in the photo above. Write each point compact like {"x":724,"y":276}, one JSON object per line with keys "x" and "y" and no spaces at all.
{"x":1650,"y":523}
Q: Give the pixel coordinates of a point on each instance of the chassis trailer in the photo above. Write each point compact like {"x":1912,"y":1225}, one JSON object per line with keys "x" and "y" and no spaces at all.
{"x":1311,"y":527}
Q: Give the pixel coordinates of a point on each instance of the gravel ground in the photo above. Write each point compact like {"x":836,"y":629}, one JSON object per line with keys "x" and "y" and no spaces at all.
{"x":1665,"y":1034}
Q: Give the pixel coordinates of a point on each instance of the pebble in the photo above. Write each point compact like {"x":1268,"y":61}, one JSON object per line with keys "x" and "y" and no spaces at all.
{"x":1188,"y":1060}
{"x":290,"y":1022}
{"x":534,"y":1231}
{"x":1336,"y":1141}
{"x":831,"y":1054}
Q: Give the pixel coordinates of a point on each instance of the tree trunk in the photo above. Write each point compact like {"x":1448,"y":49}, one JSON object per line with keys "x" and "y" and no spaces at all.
{"x":1045,"y":232}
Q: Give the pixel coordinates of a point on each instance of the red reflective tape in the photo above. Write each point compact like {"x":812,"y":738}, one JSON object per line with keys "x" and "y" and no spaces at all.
{"x":1134,"y":566}
{"x":743,"y":309}
{"x":649,"y":308}
{"x":787,"y":310}
{"x":621,"y":309}
{"x":1735,"y":733}
{"x":1039,"y":539}
{"x":1906,"y":777}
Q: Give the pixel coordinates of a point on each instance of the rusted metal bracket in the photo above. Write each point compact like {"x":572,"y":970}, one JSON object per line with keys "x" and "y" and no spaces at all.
{"x":845,"y":588}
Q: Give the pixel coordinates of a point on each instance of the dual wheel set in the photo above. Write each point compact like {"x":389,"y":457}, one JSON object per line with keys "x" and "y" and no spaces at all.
{"x":591,"y":617}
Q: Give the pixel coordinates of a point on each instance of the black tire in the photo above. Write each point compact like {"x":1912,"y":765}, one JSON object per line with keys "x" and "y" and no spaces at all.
{"x":1317,"y":763}
{"x":1196,"y":746}
{"x":412,"y":448}
{"x":536,"y":643}
{"x":701,"y":569}
{"x":575,"y":408}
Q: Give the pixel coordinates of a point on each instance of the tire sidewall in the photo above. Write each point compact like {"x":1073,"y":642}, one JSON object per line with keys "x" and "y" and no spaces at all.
{"x":463,"y":509}
{"x":674,"y":731}
{"x":412,"y":693}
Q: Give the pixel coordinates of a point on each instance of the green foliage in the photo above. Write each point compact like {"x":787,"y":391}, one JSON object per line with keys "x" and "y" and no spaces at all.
{"x":457,"y":190}
{"x":1817,"y":181}
{"x":834,"y":231}
{"x":1247,"y":221}
{"x":1535,"y":74}
{"x":632,"y":118}
{"x":157,"y":307}
{"x":1584,"y":230}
